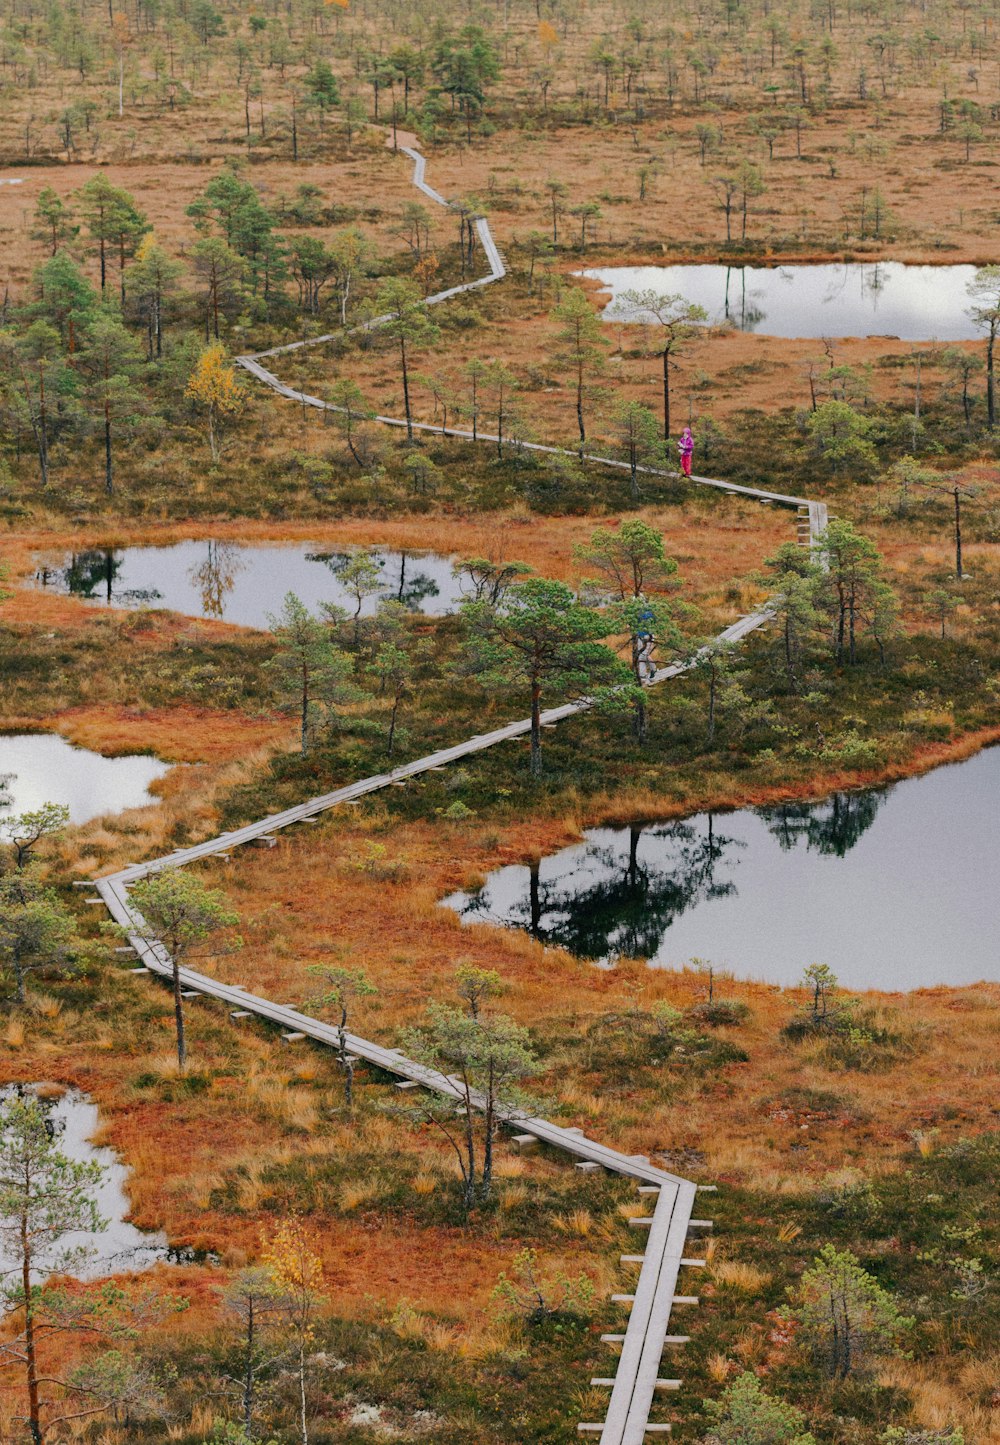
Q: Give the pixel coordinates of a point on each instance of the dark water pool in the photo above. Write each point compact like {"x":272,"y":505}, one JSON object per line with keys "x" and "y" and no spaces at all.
{"x":887,"y":298}
{"x":37,"y":768}
{"x":894,"y":888}
{"x":74,"y":1120}
{"x":243,"y":583}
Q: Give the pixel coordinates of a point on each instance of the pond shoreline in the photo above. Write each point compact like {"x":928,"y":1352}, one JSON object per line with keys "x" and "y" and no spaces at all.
{"x":816,"y":789}
{"x":759,"y":889}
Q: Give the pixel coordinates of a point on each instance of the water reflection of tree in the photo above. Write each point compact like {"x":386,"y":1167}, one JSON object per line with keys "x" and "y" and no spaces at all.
{"x":626,"y":910}
{"x":215,"y":577}
{"x":832,"y":828}
{"x":409,"y":590}
{"x":745,"y":312}
{"x":412,"y":591}
{"x":91,"y":574}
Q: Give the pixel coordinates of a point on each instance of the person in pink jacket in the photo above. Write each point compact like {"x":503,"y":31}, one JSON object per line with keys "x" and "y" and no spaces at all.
{"x":686,"y":448}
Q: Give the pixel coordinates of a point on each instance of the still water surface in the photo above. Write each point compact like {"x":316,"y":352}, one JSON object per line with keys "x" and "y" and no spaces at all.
{"x":242,"y":583}
{"x":888,"y":298}
{"x":894,"y":888}
{"x":73,"y":1119}
{"x":37,"y":768}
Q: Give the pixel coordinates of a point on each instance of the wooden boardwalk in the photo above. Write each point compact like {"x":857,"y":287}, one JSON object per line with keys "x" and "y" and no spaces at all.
{"x":637,"y":1377}
{"x":817,"y":512}
{"x":636,"y":1381}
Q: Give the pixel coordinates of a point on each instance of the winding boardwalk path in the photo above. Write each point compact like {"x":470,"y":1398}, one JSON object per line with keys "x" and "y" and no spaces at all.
{"x":636,"y":1381}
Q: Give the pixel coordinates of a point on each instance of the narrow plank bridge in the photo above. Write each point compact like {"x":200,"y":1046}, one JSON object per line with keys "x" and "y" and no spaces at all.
{"x":636,"y":1381}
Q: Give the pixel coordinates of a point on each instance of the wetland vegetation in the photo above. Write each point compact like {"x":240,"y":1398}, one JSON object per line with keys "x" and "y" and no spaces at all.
{"x":195,"y":180}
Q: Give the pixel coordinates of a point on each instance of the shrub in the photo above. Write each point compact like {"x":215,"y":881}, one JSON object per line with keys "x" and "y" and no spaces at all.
{"x":746,"y":1415}
{"x":844,"y":1315}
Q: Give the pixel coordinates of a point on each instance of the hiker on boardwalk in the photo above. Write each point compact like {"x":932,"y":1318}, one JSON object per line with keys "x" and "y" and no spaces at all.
{"x":686,"y":448}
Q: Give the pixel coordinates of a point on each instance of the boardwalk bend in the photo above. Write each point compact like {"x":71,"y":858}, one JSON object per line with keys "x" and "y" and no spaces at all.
{"x":635,"y":1383}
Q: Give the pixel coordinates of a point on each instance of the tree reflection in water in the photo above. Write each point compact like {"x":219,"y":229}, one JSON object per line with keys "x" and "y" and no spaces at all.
{"x":617,"y":895}
{"x":832,"y":828}
{"x":410,"y":590}
{"x":619,"y":899}
{"x":94,"y":575}
{"x":215,"y":577}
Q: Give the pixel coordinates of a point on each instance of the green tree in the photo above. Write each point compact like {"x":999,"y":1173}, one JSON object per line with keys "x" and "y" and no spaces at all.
{"x":349,"y":407}
{"x":556,"y":190}
{"x":45,"y":1199}
{"x":312,"y":266}
{"x":345,"y":989}
{"x":962,"y":366}
{"x":486,"y":579}
{"x":792,"y":575}
{"x":206,"y":22}
{"x":844,"y":1315}
{"x":222,"y":273}
{"x":351,"y":257}
{"x":465,"y":65}
{"x":54,"y":222}
{"x":401,"y":317}
{"x":822,"y":983}
{"x":121,"y":1384}
{"x":477,"y":986}
{"x":360,"y":575}
{"x":719,"y":662}
{"x":850,"y":585}
{"x":396,"y":664}
{"x":322,"y":91}
{"x":580,"y":344}
{"x":941,"y":604}
{"x":745,"y":1414}
{"x":39,"y":385}
{"x":751,"y":184}
{"x":257,"y":1304}
{"x":65,"y":298}
{"x":539,"y":637}
{"x":500,"y":385}
{"x":309,"y":671}
{"x":111,"y":361}
{"x":36,"y":930}
{"x":487,"y":1057}
{"x":153,"y":276}
{"x":631,"y":563}
{"x":958,"y":491}
{"x":185,"y":917}
{"x":27,"y":830}
{"x":674,"y":322}
{"x":842,"y":437}
{"x":114,"y":222}
{"x":638,"y":434}
{"x":408,"y":65}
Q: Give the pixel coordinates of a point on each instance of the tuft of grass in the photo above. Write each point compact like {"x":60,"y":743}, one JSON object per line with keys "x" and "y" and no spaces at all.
{"x":719,"y":1367}
{"x":514,"y":1195}
{"x":741,"y":1276}
{"x":357,"y":1194}
{"x":579,"y":1222}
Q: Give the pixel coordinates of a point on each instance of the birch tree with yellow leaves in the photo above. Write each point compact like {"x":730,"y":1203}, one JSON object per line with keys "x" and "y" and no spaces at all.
{"x":298,"y":1273}
{"x":215,"y":388}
